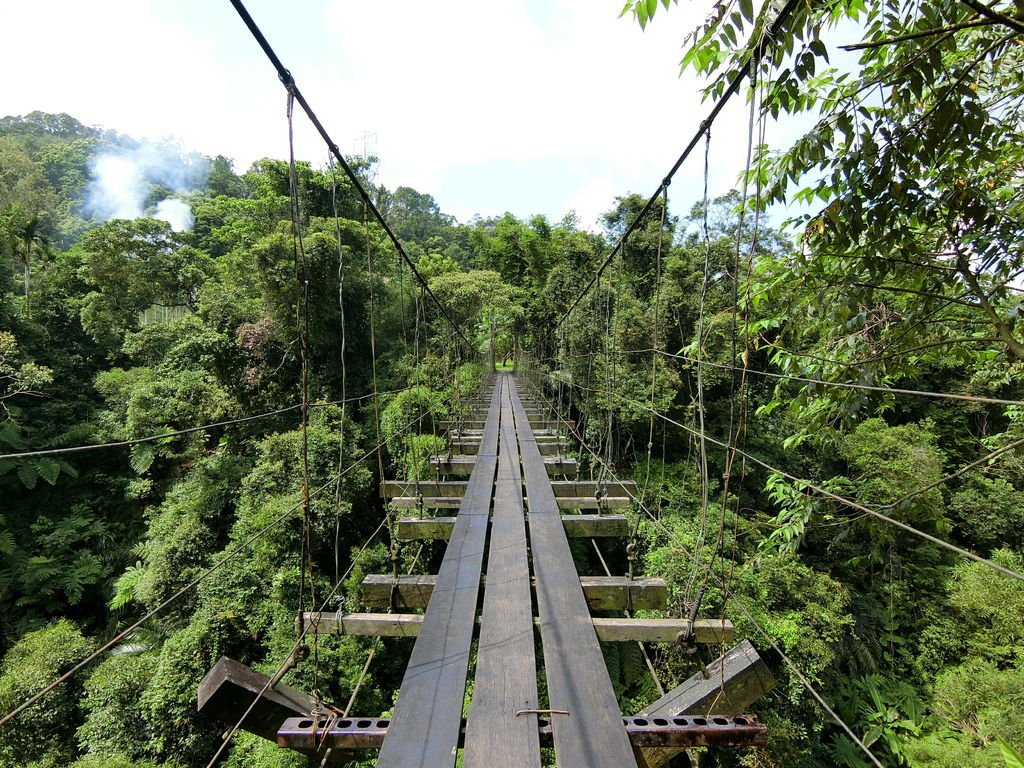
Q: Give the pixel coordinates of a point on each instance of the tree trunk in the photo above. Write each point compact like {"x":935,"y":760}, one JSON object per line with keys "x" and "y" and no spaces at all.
{"x":28,"y":269}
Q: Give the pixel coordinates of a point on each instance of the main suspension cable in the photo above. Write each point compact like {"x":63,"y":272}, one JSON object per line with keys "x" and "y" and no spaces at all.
{"x":757,"y":51}
{"x":289,"y":83}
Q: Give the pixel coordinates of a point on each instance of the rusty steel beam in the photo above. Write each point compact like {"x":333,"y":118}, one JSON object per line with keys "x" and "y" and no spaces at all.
{"x":307,"y":734}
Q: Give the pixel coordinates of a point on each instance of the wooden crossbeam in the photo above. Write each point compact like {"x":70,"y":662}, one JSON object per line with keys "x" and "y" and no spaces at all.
{"x":563,"y":502}
{"x":603,"y":593}
{"x":471,"y":446}
{"x":576,"y":527}
{"x":538,"y":424}
{"x":561,"y":488}
{"x":608,"y":630}
{"x":473,"y":435}
{"x":462,"y":465}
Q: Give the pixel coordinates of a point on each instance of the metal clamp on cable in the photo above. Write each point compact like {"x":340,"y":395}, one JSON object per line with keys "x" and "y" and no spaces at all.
{"x":688,"y":638}
{"x":299,"y":654}
{"x":396,"y":554}
{"x":601,"y":496}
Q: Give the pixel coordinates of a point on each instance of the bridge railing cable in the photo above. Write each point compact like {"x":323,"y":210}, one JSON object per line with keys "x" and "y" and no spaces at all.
{"x":803,"y":486}
{"x":179,"y":432}
{"x":963,"y":397}
{"x":289,"y":83}
{"x":231,"y":554}
{"x":794,"y":669}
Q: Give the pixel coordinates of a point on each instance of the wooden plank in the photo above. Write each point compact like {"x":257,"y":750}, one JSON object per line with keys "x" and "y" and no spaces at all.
{"x":466,"y":434}
{"x":471,"y":446}
{"x":592,"y":502}
{"x":364,"y":624}
{"x":229,"y":689}
{"x":563,"y":502}
{"x":592,"y":488}
{"x":551,"y":425}
{"x":425,"y":528}
{"x":505,"y":681}
{"x":561,"y":488}
{"x":595,"y":526}
{"x":428,"y":713}
{"x":604,"y":629}
{"x":705,"y":631}
{"x":473,"y":436}
{"x":462,"y":465}
{"x":735,"y":681}
{"x":592,"y":734}
{"x":576,"y":527}
{"x":426,"y":502}
{"x":603,"y":593}
{"x":392,"y":488}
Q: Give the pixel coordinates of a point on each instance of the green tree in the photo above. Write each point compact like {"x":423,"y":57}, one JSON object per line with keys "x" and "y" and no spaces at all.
{"x":41,"y":736}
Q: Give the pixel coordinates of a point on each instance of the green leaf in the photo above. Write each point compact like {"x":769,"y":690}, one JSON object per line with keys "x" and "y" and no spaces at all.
{"x":747,"y":9}
{"x":1012,"y":757}
{"x":49,"y":469}
{"x":28,"y":474}
{"x":142,"y":457}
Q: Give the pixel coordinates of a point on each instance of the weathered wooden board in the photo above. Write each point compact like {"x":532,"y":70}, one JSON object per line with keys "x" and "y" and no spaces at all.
{"x":735,"y":681}
{"x":595,"y":526}
{"x":472,"y":446}
{"x":428,"y":714}
{"x":592,"y":734}
{"x":705,"y":631}
{"x":581,"y":489}
{"x":229,"y":689}
{"x":607,"y":630}
{"x":576,"y":526}
{"x":461,"y":465}
{"x":505,"y":681}
{"x":539,"y":425}
{"x":603,"y":593}
{"x":563,"y":502}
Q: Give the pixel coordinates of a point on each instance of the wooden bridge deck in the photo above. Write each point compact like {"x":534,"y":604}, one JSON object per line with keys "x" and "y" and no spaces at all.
{"x":530,"y":588}
{"x":503,"y":716}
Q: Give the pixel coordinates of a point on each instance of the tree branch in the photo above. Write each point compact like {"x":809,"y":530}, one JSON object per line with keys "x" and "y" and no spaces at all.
{"x":1001,"y":327}
{"x":920,"y":34}
{"x":983,"y":10}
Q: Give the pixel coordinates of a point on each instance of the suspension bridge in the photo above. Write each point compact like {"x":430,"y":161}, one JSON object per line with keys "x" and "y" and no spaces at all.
{"x":508,"y":575}
{"x":506,"y":663}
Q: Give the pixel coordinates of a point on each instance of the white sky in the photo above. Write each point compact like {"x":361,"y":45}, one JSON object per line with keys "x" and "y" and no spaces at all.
{"x":528,"y":106}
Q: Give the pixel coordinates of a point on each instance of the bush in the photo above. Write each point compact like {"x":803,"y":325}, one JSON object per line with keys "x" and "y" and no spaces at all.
{"x":42,"y":732}
{"x":114,"y":724}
